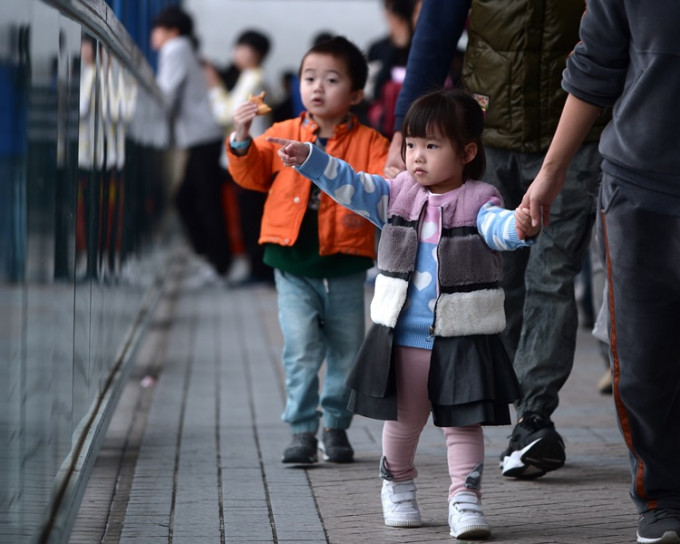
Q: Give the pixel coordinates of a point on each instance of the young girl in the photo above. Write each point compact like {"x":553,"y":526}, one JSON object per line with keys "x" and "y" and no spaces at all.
{"x":437,"y":311}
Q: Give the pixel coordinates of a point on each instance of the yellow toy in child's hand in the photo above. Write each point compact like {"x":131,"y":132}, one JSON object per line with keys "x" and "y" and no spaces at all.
{"x":258,"y":100}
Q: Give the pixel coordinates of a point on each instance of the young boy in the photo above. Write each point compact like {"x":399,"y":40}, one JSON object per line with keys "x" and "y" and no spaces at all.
{"x":319,"y":250}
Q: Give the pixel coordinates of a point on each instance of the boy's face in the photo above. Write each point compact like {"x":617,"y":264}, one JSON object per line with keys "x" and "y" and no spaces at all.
{"x":326,"y":88}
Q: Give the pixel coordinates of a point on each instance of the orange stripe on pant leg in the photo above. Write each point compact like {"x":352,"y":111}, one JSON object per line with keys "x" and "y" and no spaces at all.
{"x":620,"y":408}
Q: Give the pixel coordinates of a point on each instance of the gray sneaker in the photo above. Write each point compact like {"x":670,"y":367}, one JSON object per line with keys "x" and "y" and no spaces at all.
{"x":659,"y":526}
{"x":301,"y":450}
{"x":335,"y":446}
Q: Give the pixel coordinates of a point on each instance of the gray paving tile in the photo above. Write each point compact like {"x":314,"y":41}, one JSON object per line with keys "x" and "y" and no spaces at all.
{"x":209,"y":460}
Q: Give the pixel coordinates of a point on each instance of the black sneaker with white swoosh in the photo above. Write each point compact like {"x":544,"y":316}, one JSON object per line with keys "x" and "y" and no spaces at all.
{"x":535,"y":448}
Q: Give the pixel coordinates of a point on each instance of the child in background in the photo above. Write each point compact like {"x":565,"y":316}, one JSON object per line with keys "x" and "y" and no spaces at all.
{"x":437,"y":312}
{"x":244,"y":77}
{"x":229,"y":88}
{"x":198,"y":198}
{"x":387,"y":59}
{"x":319,"y":250}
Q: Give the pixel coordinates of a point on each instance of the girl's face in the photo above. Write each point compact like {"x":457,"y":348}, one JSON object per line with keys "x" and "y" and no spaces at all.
{"x":160,"y":36}
{"x":245,"y":57}
{"x":326,"y":88}
{"x":434,"y":162}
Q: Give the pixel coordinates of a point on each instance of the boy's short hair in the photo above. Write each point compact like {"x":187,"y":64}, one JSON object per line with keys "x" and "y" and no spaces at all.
{"x":341,"y":48}
{"x":174,"y":17}
{"x":322,"y":36}
{"x":256,"y":40}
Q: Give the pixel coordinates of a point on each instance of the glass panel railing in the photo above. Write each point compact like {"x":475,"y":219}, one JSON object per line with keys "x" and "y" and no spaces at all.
{"x":82,"y":199}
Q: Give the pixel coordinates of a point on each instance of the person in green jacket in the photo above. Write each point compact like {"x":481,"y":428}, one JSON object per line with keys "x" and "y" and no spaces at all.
{"x":514,"y":59}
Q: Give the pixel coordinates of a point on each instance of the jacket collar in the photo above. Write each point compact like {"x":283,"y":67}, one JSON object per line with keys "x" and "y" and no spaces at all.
{"x":340,"y":130}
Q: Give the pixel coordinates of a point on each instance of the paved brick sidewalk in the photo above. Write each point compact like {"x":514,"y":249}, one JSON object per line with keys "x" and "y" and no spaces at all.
{"x":194,"y":457}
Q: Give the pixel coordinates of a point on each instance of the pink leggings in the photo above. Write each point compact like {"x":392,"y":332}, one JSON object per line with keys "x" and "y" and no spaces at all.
{"x":464,"y":445}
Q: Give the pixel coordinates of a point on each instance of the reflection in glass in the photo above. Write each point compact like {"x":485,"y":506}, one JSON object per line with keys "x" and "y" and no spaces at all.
{"x":82,"y":196}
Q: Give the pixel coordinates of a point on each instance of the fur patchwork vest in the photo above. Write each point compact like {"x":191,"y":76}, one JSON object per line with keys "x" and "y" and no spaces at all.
{"x":470,"y":299}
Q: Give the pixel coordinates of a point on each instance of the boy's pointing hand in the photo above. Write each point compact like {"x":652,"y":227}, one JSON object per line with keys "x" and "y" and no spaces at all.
{"x":292,"y":152}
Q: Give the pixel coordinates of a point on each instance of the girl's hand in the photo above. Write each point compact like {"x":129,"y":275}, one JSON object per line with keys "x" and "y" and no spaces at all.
{"x":292,"y":152}
{"x":243,"y":118}
{"x":523,"y":224}
{"x":212,"y":78}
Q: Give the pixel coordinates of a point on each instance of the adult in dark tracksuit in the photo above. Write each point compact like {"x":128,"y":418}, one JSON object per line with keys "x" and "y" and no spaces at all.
{"x":629,"y":58}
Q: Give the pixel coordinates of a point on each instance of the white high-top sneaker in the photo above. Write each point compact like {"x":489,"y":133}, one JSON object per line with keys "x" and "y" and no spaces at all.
{"x":400,"y":508}
{"x":466,"y":517}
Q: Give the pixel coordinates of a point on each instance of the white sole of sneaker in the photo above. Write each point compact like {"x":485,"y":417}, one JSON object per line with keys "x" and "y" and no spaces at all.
{"x":476,"y":531}
{"x":669,"y":537}
{"x":403,"y":523}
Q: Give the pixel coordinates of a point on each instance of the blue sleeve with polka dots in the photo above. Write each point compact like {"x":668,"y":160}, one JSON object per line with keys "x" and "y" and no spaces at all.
{"x":497,"y":227}
{"x":363,"y":193}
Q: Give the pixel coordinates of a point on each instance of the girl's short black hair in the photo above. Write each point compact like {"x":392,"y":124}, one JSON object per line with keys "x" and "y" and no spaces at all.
{"x":174,"y":17}
{"x":343,"y":49}
{"x":255,"y":40}
{"x":456,"y":116}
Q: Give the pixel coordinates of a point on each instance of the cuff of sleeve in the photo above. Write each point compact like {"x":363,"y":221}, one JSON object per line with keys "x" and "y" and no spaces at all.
{"x":315,"y":164}
{"x":514,"y":239}
{"x":239,"y":145}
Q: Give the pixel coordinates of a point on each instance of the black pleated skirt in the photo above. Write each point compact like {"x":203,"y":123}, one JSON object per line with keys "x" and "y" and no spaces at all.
{"x":471,"y":380}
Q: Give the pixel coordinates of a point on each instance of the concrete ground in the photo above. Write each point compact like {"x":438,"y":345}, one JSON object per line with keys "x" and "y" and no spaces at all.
{"x":193,"y":452}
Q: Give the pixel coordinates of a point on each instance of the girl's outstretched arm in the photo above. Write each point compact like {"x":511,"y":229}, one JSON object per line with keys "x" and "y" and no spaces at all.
{"x":363,"y":193}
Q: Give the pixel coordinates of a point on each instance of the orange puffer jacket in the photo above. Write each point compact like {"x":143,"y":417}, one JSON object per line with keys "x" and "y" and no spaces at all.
{"x":260,"y":169}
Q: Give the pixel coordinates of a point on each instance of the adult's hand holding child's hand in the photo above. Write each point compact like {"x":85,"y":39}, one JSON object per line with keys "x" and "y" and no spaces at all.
{"x":292,"y":152}
{"x":523,"y":224}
